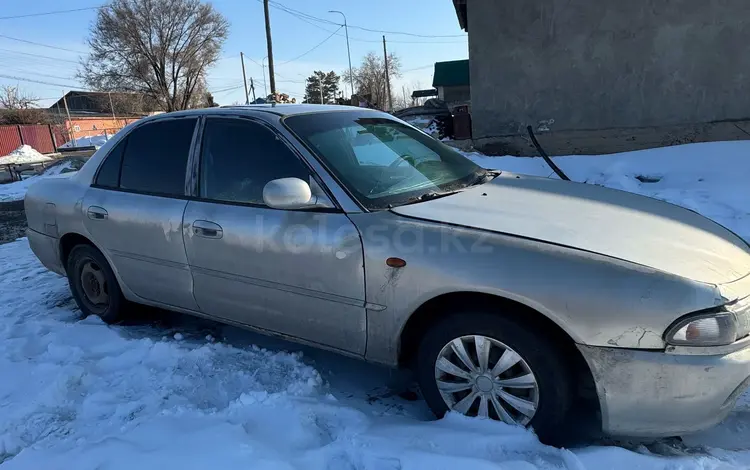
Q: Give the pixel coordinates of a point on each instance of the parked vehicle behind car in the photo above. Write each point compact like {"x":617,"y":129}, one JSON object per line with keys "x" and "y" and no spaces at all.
{"x":510,"y":297}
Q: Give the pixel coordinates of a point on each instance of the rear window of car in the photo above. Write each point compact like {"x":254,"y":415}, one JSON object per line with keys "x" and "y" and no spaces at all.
{"x":109,"y":172}
{"x":155,"y":157}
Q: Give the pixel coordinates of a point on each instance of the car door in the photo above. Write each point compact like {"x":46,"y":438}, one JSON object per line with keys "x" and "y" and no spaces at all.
{"x":295,"y":272}
{"x":134,"y":210}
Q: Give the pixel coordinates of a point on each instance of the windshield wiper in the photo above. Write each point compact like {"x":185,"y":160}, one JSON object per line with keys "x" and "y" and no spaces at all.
{"x":483,"y":178}
{"x":429,"y":197}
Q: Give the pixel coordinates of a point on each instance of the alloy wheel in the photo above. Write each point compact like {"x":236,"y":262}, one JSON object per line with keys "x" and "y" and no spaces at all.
{"x":481,"y":376}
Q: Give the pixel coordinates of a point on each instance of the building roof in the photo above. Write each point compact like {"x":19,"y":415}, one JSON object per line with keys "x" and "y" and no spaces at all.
{"x":453,"y":73}
{"x":93,"y":102}
{"x":460,"y":6}
{"x":424,"y":93}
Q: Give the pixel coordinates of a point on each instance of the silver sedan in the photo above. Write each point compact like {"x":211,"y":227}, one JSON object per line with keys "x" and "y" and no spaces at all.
{"x":511,"y":298}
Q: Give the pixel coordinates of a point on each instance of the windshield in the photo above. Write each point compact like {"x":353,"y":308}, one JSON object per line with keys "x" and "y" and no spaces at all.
{"x":381,"y":161}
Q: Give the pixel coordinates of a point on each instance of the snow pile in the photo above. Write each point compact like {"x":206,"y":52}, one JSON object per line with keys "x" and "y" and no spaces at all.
{"x":23,"y":155}
{"x":709,"y":178}
{"x":17,"y":190}
{"x":80,"y":394}
{"x":90,"y":141}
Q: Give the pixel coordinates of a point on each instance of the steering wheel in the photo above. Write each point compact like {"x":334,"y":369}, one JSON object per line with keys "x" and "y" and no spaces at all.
{"x":404,"y":158}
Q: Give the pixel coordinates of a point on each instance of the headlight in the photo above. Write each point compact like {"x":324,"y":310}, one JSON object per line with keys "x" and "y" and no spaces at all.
{"x":704,"y":329}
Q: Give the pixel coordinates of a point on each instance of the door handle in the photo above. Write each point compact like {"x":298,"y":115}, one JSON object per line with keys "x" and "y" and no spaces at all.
{"x":97,"y":213}
{"x":206,"y":229}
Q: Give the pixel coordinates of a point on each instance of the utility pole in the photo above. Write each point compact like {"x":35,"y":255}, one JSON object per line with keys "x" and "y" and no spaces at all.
{"x":271,"y":75}
{"x":320,"y":82}
{"x":244,"y":78}
{"x":70,"y":123}
{"x":252,"y":87}
{"x":348,"y":52}
{"x":387,"y":79}
{"x":265,"y":82}
{"x":112,"y":107}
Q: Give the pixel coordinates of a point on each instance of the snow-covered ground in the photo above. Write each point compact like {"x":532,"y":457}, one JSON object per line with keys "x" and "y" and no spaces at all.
{"x":168,"y":391}
{"x":78,"y":394}
{"x":17,"y":190}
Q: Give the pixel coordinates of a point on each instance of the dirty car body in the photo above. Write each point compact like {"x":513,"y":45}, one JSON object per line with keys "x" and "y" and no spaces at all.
{"x":650,"y":298}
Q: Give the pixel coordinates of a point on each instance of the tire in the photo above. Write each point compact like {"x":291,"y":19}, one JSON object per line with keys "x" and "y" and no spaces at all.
{"x":87,"y":263}
{"x":552,"y":392}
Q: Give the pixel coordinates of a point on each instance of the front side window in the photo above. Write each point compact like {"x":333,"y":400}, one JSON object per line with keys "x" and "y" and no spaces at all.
{"x":156,"y":155}
{"x":383,"y":162}
{"x":239,"y":157}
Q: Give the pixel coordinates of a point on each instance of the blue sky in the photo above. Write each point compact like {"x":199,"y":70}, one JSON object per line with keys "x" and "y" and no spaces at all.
{"x":291,"y":38}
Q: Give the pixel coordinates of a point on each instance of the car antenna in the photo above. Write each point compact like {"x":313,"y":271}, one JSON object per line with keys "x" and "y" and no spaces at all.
{"x":544,"y":155}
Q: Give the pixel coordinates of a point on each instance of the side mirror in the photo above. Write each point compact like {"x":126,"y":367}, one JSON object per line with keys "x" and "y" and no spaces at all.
{"x":288,"y":193}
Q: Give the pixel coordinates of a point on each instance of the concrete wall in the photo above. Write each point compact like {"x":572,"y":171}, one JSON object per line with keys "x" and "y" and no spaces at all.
{"x":455,"y":94}
{"x":577,"y":65}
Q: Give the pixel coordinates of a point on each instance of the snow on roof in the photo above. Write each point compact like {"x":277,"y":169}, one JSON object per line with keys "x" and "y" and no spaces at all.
{"x":23,"y":154}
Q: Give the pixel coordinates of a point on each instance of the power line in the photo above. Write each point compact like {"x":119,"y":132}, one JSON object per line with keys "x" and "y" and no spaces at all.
{"x":418,"y":68}
{"x":39,"y":56}
{"x":20,"y":79}
{"x":49,"y":13}
{"x":40,"y":44}
{"x":323,"y":20}
{"x":35,"y":73}
{"x":224,"y":90}
{"x":312,"y":23}
{"x":313,"y":48}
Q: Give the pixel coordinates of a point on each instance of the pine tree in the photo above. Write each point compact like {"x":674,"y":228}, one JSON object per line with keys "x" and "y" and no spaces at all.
{"x":330,"y":83}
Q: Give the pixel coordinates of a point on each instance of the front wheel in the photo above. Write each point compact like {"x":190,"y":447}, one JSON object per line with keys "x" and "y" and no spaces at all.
{"x":489,"y":366}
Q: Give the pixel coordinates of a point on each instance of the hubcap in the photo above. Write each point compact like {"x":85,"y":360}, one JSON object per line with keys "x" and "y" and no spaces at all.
{"x":480,"y":376}
{"x":94,"y":284}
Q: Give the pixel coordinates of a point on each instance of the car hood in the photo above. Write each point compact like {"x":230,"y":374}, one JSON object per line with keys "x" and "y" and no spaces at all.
{"x":614,"y":223}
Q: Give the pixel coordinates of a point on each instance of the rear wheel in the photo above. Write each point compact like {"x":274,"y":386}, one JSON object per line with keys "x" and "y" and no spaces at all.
{"x":94,"y":285}
{"x":488,"y":366}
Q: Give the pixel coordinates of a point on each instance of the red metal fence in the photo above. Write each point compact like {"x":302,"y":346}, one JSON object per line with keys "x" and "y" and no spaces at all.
{"x":38,"y":137}
{"x":10,"y":139}
{"x":43,"y":138}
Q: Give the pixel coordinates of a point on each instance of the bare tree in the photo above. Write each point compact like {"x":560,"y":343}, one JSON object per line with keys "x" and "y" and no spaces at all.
{"x":402,"y":97}
{"x":161,"y":48}
{"x":17,"y":107}
{"x":369,"y":77}
{"x":123,"y":104}
{"x":12,"y":98}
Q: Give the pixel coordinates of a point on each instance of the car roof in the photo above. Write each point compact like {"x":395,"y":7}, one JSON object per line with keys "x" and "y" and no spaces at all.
{"x":276,"y":109}
{"x":291,"y":109}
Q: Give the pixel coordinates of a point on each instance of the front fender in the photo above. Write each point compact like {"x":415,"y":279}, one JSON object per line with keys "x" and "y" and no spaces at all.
{"x":595,"y":299}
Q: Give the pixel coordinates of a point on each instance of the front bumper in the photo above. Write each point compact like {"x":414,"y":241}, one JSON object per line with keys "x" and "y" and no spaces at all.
{"x":655,"y":394}
{"x":47,"y":249}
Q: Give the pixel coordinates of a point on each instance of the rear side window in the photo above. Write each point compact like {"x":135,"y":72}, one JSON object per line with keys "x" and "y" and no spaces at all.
{"x":155,"y":157}
{"x":109,"y":172}
{"x":239,"y":157}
